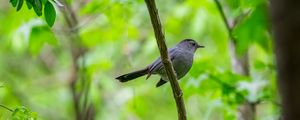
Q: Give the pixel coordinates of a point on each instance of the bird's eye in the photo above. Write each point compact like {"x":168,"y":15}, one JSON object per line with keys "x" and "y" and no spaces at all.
{"x":194,"y":44}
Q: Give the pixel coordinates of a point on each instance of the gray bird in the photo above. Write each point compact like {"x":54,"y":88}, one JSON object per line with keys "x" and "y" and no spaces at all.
{"x":181,"y":55}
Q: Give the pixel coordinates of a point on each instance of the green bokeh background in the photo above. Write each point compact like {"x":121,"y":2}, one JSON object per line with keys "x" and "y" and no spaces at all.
{"x":35,"y":60}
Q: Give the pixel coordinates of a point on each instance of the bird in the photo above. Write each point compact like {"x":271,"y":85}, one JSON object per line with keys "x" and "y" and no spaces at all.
{"x":181,"y":56}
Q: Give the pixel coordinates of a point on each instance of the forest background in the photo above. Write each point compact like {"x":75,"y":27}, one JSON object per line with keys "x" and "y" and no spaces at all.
{"x":66,"y":69}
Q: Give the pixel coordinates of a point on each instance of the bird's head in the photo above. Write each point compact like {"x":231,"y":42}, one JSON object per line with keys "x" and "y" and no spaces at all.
{"x":189,"y":44}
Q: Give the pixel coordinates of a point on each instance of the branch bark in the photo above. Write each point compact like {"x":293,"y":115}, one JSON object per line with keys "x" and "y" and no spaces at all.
{"x":286,"y":27}
{"x":160,"y":40}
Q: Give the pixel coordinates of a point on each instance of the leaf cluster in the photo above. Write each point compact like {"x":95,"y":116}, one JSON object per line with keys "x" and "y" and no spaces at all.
{"x":39,"y":7}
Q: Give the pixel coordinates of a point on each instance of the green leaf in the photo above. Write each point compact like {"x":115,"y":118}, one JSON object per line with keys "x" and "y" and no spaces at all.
{"x":23,"y":113}
{"x":254,"y":28}
{"x":38,"y":7}
{"x":39,"y":36}
{"x":50,"y":13}
{"x":263,"y":36}
{"x":44,"y":1}
{"x":233,"y":4}
{"x":29,"y":4}
{"x":20,"y":4}
{"x":251,"y":3}
{"x":14,"y":2}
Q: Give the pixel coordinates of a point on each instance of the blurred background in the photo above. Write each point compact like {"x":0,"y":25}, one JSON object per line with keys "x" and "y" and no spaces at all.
{"x":67,"y":71}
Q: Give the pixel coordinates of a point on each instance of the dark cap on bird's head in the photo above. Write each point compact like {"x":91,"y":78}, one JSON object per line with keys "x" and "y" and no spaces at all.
{"x":191,"y":43}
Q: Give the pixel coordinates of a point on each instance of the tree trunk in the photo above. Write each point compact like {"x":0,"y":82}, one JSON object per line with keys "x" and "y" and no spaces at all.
{"x":285,"y":15}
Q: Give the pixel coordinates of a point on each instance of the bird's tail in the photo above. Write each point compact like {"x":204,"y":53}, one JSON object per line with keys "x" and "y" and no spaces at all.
{"x":132,"y":75}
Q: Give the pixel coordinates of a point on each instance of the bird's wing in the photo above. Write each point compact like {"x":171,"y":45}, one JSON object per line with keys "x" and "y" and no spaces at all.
{"x":157,"y":64}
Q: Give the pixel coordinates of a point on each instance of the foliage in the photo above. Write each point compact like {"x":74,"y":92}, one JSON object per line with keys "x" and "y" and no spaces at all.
{"x":23,"y":113}
{"x":36,"y":61}
{"x":38,"y":5}
{"x":50,"y":13}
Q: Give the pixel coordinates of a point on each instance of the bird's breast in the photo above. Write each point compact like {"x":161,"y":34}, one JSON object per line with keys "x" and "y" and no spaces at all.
{"x":183,"y":63}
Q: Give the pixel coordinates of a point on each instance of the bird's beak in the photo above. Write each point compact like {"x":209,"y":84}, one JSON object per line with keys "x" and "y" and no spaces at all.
{"x":200,"y":46}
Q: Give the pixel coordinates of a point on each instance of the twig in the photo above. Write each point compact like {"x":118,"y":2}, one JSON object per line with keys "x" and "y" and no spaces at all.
{"x":226,"y":22}
{"x":160,"y":40}
{"x":77,"y":51}
{"x":6,"y":108}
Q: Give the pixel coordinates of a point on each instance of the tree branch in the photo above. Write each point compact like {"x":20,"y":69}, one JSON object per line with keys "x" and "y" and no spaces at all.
{"x":160,"y":40}
{"x":82,"y":112}
{"x":6,"y":108}
{"x":224,"y":18}
{"x":240,"y":64}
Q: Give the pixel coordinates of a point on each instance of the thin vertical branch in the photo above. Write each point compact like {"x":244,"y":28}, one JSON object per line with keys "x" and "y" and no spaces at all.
{"x":82,"y":112}
{"x":160,"y":40}
{"x":224,"y":18}
{"x":240,"y":64}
